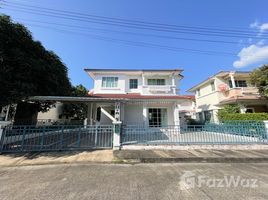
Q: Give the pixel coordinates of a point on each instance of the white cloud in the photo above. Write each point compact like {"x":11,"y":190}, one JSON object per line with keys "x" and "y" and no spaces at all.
{"x":263,"y":27}
{"x":252,"y":55}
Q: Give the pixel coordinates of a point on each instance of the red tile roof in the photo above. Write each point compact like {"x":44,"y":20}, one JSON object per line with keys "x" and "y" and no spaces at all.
{"x":139,"y":96}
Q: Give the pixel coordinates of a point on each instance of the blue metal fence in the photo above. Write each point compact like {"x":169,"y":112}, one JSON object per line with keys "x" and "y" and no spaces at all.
{"x":52,"y":138}
{"x":196,"y":134}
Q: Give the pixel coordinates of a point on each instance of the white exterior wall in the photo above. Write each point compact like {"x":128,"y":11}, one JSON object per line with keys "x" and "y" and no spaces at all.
{"x":127,"y":89}
{"x":133,"y":115}
{"x":52,"y":114}
{"x":121,"y":89}
{"x":143,"y":88}
{"x":208,"y":98}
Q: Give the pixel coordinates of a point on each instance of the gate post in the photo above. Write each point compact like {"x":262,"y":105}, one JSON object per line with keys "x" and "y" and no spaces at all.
{"x":266,"y":129}
{"x":116,"y":134}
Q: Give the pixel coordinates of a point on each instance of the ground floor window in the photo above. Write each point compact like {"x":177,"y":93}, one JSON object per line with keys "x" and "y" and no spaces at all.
{"x":157,"y":117}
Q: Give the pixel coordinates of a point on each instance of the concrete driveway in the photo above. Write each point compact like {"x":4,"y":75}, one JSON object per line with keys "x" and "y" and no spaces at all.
{"x":124,"y":181}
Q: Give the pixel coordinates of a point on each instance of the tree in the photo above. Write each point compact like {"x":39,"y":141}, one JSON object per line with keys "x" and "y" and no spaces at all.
{"x":76,"y":110}
{"x":27,"y":68}
{"x":228,"y":109}
{"x":259,"y":77}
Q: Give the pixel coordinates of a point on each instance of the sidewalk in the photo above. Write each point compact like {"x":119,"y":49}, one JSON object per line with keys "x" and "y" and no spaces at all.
{"x":135,"y":156}
{"x":22,"y":159}
{"x":204,"y":155}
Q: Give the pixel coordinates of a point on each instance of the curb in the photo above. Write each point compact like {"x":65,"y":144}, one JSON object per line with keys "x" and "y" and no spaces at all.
{"x":204,"y":160}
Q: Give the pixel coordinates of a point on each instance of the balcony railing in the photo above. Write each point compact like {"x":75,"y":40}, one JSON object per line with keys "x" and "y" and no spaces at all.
{"x":250,"y":92}
{"x":159,"y":88}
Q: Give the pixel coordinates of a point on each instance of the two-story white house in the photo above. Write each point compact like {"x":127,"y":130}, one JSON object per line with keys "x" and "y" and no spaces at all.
{"x":223,"y":88}
{"x":142,"y":97}
{"x":146,"y":97}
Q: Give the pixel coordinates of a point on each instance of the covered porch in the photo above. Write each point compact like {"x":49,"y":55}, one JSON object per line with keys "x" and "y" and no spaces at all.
{"x":155,"y":113}
{"x":248,"y":105}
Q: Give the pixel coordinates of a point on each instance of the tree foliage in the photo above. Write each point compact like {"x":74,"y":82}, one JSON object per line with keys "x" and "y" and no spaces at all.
{"x":76,"y":110}
{"x":259,"y":77}
{"x":228,"y":109}
{"x":26,"y":67}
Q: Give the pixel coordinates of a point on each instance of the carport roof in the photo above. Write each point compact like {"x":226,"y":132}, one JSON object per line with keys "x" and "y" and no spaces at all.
{"x":111,"y":97}
{"x":139,"y":96}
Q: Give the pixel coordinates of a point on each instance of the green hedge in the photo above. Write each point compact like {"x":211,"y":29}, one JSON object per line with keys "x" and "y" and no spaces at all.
{"x":243,"y":117}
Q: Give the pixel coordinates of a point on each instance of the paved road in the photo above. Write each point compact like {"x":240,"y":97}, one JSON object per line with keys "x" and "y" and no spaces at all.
{"x":142,"y":181}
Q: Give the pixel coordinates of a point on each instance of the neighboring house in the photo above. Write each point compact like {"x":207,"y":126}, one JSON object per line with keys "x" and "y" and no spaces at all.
{"x":53,"y":115}
{"x":146,"y":97}
{"x":223,"y":88}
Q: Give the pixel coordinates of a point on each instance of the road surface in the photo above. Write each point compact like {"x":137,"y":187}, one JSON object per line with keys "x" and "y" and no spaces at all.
{"x":140,"y":181}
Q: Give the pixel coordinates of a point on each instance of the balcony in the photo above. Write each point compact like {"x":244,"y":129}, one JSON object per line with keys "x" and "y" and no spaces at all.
{"x":245,"y":93}
{"x":169,"y":89}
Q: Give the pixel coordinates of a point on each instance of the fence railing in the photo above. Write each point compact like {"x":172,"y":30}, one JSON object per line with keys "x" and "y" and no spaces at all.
{"x":196,"y":134}
{"x":48,"y":138}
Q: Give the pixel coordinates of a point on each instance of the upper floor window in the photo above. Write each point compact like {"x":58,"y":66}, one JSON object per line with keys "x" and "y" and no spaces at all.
{"x":198,"y":92}
{"x":133,"y":83}
{"x":212,"y":85}
{"x":156,"y":82}
{"x":241,"y":83}
{"x":109,"y":82}
{"x":238,"y":83}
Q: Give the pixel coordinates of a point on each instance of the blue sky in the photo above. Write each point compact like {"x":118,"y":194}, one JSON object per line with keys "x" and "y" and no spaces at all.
{"x":82,"y":47}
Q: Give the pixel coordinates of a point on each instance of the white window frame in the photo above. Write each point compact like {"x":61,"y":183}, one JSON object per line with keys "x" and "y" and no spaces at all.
{"x":212,"y":85}
{"x":161,"y":117}
{"x":104,"y":82}
{"x":156,"y":81}
{"x":132,"y":84}
{"x":198,"y":92}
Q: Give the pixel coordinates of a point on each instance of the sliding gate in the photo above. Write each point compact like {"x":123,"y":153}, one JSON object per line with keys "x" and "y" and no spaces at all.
{"x":52,"y":138}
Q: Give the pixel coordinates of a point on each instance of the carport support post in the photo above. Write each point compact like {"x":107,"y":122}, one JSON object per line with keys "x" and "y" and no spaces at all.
{"x":116,"y":134}
{"x":1,"y":132}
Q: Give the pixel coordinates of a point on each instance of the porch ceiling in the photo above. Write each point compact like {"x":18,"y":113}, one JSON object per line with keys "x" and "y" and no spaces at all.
{"x":252,"y":101}
{"x":73,"y":99}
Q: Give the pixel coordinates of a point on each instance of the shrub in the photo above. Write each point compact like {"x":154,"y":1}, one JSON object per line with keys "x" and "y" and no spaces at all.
{"x":242,"y":117}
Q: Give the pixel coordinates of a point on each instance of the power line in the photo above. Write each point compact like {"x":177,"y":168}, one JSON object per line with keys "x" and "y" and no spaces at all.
{"x":131,"y":33}
{"x":139,"y":44}
{"x":77,"y":18}
{"x":143,"y":44}
{"x":132,"y":21}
